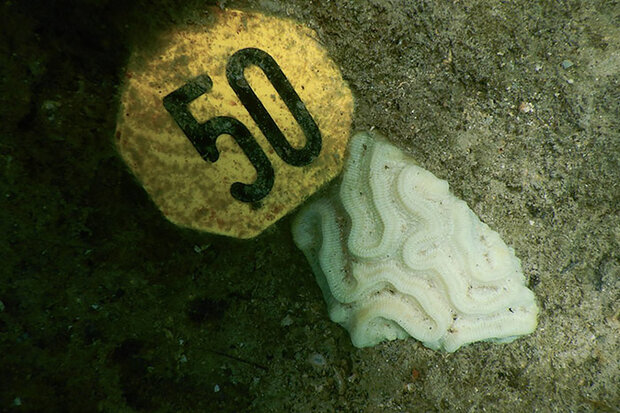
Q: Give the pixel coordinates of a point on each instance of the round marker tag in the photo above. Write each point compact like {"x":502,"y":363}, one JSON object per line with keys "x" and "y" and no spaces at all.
{"x":229,"y":127}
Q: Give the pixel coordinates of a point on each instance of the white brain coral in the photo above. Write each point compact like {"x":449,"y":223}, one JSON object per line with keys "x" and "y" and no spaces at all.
{"x":397,"y":255}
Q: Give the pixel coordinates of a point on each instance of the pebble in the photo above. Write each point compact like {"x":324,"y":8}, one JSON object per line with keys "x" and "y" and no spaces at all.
{"x":317,"y":360}
{"x":526,"y":107}
{"x":566,"y":64}
{"x":286,"y":321}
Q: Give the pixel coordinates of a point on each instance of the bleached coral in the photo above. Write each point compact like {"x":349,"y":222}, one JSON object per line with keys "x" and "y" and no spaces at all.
{"x":397,"y":255}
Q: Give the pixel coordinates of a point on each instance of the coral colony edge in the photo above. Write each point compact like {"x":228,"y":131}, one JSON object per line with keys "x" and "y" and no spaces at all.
{"x":397,"y":255}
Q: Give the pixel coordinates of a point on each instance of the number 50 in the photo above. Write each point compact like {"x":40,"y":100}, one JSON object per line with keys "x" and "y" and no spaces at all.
{"x":203,"y":135}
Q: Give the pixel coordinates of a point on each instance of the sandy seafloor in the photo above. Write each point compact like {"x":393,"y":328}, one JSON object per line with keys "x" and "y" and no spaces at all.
{"x":106,"y":306}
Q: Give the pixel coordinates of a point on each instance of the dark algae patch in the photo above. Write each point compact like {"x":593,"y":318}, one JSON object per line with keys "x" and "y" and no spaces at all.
{"x":106,"y":306}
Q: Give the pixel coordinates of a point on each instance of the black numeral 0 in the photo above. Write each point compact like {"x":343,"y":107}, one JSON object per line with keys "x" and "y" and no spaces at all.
{"x":204,"y":135}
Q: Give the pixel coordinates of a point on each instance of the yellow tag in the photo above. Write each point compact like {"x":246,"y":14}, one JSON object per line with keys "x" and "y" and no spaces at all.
{"x":231,"y":126}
